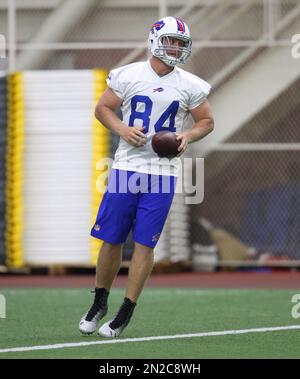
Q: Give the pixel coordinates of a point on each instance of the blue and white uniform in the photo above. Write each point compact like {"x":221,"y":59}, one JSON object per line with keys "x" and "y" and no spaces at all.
{"x":154,"y":103}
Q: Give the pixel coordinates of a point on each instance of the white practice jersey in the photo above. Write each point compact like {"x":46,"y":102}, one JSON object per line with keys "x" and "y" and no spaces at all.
{"x":155,"y":103}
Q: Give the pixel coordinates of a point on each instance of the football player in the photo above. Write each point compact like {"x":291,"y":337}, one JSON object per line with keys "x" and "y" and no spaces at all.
{"x":153,"y":95}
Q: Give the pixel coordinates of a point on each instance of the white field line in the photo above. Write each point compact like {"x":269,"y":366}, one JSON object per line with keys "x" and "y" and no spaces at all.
{"x":154,"y":338}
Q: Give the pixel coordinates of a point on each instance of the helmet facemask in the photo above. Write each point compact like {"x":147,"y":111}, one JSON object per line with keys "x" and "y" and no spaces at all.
{"x":173,"y":49}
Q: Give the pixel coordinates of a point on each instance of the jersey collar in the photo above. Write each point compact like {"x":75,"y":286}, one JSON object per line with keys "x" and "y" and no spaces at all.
{"x":156,"y":75}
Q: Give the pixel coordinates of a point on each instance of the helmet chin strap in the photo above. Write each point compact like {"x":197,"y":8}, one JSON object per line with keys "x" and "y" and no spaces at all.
{"x":168,"y":62}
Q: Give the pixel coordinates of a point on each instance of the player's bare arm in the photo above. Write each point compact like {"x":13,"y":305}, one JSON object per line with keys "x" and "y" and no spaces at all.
{"x":204,"y":124}
{"x":104,"y":112}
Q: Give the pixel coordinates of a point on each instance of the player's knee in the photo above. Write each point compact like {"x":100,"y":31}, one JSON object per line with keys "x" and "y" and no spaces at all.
{"x":110,"y":248}
{"x":140,"y":248}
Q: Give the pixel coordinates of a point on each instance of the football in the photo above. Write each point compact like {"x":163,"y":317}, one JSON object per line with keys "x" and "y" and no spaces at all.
{"x":165,"y":144}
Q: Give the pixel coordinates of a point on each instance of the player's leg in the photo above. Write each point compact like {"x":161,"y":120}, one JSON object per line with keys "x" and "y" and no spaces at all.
{"x":140,"y":268}
{"x":113,"y":223}
{"x":108,"y":264}
{"x":151,"y":215}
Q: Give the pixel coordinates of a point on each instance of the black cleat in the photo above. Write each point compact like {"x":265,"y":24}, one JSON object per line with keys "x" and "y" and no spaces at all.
{"x":88,"y":323}
{"x":115,"y":327}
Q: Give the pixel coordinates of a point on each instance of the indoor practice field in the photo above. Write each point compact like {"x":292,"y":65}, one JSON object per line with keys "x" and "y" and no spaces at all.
{"x":149,"y":163}
{"x":49,"y":316}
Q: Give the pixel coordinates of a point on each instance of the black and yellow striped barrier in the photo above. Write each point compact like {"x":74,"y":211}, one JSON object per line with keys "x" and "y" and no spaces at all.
{"x":100,"y":150}
{"x":3,"y":124}
{"x":14,"y":172}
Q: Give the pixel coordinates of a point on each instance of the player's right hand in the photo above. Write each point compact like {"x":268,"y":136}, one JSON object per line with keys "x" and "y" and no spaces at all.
{"x":134,"y":136}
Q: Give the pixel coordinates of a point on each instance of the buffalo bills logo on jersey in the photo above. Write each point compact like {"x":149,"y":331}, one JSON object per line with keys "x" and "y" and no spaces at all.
{"x":157,"y":25}
{"x":159,"y":89}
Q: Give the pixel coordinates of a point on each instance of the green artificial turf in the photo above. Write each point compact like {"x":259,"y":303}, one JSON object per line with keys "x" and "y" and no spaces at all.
{"x":51,"y":316}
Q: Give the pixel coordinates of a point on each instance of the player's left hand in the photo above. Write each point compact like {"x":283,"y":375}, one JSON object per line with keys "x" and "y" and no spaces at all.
{"x":183,"y":143}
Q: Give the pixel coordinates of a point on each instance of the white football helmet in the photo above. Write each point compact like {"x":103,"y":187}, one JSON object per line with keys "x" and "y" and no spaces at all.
{"x":161,"y":40}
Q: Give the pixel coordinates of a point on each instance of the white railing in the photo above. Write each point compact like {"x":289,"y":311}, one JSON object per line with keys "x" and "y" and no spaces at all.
{"x":194,"y":12}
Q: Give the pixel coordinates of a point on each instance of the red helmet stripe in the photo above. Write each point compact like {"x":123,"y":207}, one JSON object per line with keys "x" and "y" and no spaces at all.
{"x":180,"y":25}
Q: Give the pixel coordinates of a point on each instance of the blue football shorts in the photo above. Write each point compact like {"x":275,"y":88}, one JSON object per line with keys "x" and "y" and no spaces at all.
{"x":134,"y":201}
